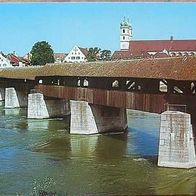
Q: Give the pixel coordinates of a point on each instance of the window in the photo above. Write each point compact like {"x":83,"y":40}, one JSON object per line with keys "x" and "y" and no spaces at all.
{"x":73,"y":58}
{"x":78,"y":57}
{"x":123,"y":37}
{"x":123,"y":30}
{"x":163,"y":86}
{"x":40,"y":81}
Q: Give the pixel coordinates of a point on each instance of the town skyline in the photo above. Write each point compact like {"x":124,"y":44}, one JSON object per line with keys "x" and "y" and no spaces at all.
{"x":64,"y":25}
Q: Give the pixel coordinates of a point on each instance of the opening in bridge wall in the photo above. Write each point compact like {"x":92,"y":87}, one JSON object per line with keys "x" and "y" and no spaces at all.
{"x":82,"y":82}
{"x":175,"y":107}
{"x":162,"y":86}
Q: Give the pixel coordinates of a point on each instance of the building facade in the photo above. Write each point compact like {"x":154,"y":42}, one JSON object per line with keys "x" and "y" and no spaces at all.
{"x":77,"y":55}
{"x":4,"y":62}
{"x":130,"y":48}
{"x":17,"y":61}
{"x":59,"y":57}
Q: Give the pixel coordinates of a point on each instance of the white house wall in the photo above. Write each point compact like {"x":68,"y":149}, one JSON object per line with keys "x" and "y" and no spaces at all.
{"x":4,"y":62}
{"x":75,"y":56}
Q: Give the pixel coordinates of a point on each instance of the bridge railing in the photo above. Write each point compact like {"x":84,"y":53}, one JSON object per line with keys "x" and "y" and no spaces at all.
{"x":175,"y":107}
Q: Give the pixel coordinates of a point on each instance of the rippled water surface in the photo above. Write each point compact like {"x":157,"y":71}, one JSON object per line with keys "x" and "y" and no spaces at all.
{"x":39,"y":156}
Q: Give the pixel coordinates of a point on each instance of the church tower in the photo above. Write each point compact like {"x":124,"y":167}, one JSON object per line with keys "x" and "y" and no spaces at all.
{"x":125,"y":34}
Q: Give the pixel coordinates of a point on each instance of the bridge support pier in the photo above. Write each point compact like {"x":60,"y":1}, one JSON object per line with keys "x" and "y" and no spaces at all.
{"x":176,"y":145}
{"x":2,"y":94}
{"x":91,"y":119}
{"x":40,"y":107}
{"x":14,"y":98}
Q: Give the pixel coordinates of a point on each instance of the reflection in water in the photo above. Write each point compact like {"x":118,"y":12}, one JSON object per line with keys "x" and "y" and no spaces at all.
{"x":1,"y":103}
{"x":56,"y":137}
{"x":54,"y":124}
{"x":83,"y":146}
{"x":12,"y":111}
{"x":111,"y":147}
{"x":41,"y":155}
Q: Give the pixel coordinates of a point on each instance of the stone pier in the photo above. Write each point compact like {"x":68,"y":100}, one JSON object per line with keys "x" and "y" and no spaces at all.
{"x":2,"y":94}
{"x":176,"y":145}
{"x":91,"y":119}
{"x":14,"y":98}
{"x":40,"y":107}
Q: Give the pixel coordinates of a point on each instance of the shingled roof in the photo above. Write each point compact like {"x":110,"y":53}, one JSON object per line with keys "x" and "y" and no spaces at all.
{"x":159,"y":45}
{"x":181,"y":68}
{"x":141,"y":48}
{"x":84,"y":50}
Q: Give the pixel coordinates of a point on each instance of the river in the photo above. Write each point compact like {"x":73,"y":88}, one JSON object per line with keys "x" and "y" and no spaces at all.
{"x":40,"y":156}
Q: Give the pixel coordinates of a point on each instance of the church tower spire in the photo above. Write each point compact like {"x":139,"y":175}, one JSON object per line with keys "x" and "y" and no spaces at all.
{"x":125,"y":34}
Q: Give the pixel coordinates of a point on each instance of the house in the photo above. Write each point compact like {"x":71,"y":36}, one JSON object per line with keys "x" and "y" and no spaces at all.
{"x":59,"y":57}
{"x":4,"y":62}
{"x":27,"y":57}
{"x":151,"y":48}
{"x":77,"y":55}
{"x":16,"y":60}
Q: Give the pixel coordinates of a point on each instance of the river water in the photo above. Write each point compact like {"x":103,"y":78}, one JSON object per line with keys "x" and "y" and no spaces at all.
{"x":40,"y":156}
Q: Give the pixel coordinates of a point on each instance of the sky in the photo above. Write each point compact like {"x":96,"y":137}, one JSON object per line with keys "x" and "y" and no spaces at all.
{"x":64,"y":25}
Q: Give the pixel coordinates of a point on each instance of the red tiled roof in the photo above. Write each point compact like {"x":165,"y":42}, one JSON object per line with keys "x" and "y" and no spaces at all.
{"x":141,"y":46}
{"x":123,"y":54}
{"x":13,"y":59}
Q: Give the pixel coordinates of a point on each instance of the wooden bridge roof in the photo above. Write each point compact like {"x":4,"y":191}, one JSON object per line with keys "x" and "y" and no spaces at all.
{"x":182,"y":68}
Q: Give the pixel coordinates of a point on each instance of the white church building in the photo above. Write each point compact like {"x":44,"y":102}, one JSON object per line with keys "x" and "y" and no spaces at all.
{"x":130,"y":48}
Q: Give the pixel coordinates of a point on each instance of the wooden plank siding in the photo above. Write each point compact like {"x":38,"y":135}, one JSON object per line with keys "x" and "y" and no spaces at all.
{"x":145,"y":102}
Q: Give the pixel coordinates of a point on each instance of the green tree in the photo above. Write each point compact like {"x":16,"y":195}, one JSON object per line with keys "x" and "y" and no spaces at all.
{"x":42,"y":53}
{"x":105,"y":55}
{"x":93,"y":54}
